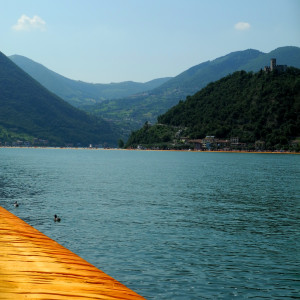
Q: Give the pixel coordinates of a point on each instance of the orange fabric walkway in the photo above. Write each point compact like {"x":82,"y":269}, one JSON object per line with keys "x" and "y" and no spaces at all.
{"x":33,"y":266}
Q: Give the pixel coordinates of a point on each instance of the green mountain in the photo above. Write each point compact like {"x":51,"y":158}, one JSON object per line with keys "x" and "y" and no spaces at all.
{"x":80,"y":93}
{"x":132,"y":112}
{"x":29,"y":112}
{"x":262,"y":106}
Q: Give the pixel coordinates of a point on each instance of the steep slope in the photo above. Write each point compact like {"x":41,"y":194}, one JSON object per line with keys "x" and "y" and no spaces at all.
{"x":80,"y":93}
{"x":29,"y":109}
{"x":138,"y":109}
{"x":261,"y":106}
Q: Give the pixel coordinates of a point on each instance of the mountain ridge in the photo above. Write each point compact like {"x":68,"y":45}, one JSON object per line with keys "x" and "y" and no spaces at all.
{"x":138,"y":109}
{"x":77,"y":92}
{"x":30,"y":111}
{"x":130,"y":113}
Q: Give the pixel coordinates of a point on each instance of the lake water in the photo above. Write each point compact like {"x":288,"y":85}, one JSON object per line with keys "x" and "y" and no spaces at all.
{"x":169,"y":225}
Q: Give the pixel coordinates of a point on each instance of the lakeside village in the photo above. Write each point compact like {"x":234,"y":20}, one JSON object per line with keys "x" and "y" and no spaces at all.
{"x":211,"y":143}
{"x":20,"y":143}
{"x":40,"y":143}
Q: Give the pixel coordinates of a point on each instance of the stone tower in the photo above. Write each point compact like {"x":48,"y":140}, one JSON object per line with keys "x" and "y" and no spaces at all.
{"x":273,"y":64}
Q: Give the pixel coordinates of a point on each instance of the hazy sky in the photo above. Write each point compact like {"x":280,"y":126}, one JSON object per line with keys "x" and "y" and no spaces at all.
{"x":104,"y":41}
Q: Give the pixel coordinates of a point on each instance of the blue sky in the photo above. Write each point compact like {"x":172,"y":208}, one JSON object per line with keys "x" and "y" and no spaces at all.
{"x":104,"y":41}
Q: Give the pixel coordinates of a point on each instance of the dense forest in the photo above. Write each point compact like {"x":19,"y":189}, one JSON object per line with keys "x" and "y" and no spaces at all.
{"x":31,"y":114}
{"x":132,"y":112}
{"x":262,"y":106}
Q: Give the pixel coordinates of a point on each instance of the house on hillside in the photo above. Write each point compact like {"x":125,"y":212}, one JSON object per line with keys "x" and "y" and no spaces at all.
{"x":260,"y":145}
{"x":210,"y":143}
{"x":223,"y":144}
{"x":236,"y":144}
{"x":197,"y":144}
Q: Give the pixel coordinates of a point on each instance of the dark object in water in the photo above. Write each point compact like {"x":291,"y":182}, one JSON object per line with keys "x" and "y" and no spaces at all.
{"x":16,"y":204}
{"x":56,"y":218}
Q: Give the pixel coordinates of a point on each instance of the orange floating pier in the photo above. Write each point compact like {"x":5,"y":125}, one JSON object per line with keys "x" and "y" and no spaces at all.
{"x":33,"y":266}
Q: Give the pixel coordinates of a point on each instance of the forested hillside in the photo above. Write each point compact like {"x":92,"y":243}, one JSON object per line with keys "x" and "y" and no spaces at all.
{"x":253,"y":107}
{"x":132,"y":112}
{"x":79,"y":93}
{"x":30,"y":113}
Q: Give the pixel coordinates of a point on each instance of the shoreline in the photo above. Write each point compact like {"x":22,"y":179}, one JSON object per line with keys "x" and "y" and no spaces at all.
{"x":33,"y":266}
{"x":160,"y":150}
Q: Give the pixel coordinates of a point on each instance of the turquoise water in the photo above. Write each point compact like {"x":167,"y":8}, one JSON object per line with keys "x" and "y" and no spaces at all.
{"x":169,"y":225}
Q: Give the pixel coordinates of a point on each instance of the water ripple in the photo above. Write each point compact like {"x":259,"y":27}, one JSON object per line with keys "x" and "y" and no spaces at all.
{"x":168,"y":225}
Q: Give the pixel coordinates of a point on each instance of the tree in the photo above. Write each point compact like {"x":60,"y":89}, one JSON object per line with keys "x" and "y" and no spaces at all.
{"x":120,"y":143}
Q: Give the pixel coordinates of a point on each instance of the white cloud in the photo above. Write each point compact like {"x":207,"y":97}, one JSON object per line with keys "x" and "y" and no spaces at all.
{"x":242,"y":26}
{"x":26,"y":23}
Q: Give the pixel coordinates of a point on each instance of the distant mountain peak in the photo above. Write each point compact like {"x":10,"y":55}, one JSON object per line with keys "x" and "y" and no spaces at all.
{"x":80,"y":93}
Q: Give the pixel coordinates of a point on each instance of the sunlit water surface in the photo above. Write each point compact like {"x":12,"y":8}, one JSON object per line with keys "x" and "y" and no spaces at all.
{"x":169,"y":225}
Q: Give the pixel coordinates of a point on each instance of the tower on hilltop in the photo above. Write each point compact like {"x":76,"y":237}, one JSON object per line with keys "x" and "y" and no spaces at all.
{"x":273,"y":64}
{"x":273,"y":67}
